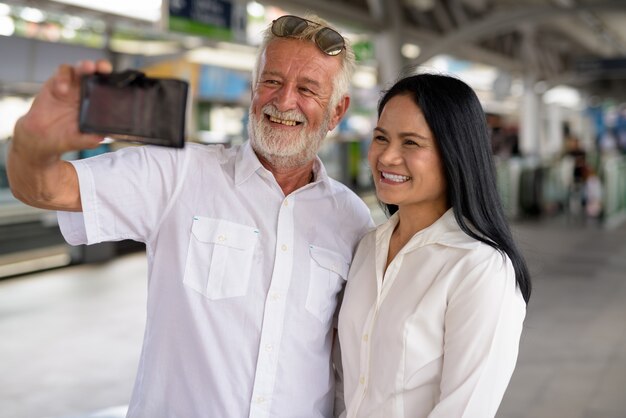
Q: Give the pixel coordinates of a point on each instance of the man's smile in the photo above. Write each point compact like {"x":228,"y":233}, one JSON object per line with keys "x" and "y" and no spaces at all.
{"x":283,"y":121}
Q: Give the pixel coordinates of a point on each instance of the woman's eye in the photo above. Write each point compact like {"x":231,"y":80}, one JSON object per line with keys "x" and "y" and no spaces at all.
{"x":379,"y":138}
{"x":410,"y":143}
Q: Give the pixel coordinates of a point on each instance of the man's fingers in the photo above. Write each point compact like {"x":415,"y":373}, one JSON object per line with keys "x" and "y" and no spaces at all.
{"x":90,"y":141}
{"x":81,"y":142}
{"x":104,"y":66}
{"x":68,"y":77}
{"x":63,"y":80}
{"x":85,"y":67}
{"x":90,"y":67}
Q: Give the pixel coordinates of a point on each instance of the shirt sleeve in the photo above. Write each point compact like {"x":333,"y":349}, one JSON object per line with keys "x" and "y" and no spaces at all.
{"x":124,"y":194}
{"x":483,"y":325}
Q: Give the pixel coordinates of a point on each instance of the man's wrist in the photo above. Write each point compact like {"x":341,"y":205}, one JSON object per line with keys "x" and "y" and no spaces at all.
{"x":25,"y":147}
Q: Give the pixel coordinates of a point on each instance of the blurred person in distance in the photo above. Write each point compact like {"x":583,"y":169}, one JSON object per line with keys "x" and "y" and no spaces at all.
{"x":248,"y":247}
{"x":436,"y":297}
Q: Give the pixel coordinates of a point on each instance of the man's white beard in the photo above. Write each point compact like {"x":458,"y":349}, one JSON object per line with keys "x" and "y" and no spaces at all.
{"x":285,"y":149}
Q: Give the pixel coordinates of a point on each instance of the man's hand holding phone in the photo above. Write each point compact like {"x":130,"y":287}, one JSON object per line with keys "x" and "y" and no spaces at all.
{"x":50,"y":127}
{"x":37,"y":174}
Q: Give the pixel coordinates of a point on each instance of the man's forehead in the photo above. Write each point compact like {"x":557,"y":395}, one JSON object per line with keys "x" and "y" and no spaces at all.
{"x":301,"y":58}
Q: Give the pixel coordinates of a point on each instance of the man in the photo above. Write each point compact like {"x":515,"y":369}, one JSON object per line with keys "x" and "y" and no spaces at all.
{"x":248,"y":247}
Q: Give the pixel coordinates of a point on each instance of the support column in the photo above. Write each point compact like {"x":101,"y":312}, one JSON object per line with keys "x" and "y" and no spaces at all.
{"x":529,"y":120}
{"x":554,"y":138}
{"x":387,"y":44}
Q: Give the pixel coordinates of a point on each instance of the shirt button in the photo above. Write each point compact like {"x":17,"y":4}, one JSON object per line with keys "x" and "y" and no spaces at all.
{"x":221,"y":238}
{"x":269,"y":347}
{"x":260,"y":399}
{"x":365,"y":338}
{"x":286,"y":203}
{"x":362,"y":380}
{"x":275,"y":296}
{"x":283,"y":247}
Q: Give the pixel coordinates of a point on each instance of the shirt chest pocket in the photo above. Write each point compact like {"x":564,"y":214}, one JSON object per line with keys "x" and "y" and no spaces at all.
{"x":328,"y":271}
{"x":220,"y":257}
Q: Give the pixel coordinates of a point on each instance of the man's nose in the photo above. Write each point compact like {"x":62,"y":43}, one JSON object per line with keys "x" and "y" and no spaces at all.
{"x":286,"y":98}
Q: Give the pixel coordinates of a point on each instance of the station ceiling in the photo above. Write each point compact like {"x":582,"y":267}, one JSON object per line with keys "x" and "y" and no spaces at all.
{"x":581,"y":43}
{"x":577,"y":42}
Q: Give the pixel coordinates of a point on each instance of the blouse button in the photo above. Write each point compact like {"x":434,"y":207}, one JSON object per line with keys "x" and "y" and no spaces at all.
{"x":362,"y":380}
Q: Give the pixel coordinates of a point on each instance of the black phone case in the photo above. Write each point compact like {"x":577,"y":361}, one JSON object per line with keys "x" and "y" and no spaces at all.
{"x":130,"y":106}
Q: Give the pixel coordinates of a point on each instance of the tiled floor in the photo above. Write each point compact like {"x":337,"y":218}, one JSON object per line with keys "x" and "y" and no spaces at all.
{"x":70,"y":338}
{"x":573,"y":353}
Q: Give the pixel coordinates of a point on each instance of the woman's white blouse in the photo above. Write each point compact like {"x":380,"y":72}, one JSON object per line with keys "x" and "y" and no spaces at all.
{"x":439,"y":336}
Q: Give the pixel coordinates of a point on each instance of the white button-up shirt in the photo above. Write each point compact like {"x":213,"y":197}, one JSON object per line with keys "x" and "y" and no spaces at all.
{"x":243,"y":281}
{"x":435,"y":335}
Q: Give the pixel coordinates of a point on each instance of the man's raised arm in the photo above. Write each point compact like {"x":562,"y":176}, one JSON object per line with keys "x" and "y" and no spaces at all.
{"x":37,"y":174}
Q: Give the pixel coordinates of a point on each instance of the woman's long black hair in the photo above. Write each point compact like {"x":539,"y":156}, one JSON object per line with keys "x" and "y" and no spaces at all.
{"x":457,"y":121}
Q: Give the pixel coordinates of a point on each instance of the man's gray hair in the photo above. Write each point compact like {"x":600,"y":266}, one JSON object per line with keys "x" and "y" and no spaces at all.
{"x":341,"y":83}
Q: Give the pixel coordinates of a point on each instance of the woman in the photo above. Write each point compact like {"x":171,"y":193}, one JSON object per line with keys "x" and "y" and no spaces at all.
{"x":436,"y":297}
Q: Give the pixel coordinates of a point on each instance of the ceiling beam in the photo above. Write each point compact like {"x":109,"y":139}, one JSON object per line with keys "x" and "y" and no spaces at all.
{"x":503,"y":21}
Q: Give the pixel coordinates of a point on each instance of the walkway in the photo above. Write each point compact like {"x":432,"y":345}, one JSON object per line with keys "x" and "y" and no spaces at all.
{"x":70,"y":338}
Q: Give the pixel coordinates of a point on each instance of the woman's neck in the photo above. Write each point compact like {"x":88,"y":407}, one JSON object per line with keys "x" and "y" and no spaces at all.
{"x":410,"y":222}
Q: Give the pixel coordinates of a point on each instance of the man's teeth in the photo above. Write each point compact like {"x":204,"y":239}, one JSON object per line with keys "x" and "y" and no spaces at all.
{"x":284,"y":122}
{"x":394,"y":177}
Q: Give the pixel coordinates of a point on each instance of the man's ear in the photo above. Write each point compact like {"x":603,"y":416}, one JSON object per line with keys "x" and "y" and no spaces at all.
{"x":339,"y":111}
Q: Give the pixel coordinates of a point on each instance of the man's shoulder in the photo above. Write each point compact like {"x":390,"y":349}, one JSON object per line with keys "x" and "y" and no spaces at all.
{"x":341,"y":191}
{"x":212,"y":149}
{"x":205,"y":153}
{"x":349,"y":204}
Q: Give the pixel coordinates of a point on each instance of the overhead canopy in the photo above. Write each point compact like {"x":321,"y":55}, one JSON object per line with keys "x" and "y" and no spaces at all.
{"x":577,"y":42}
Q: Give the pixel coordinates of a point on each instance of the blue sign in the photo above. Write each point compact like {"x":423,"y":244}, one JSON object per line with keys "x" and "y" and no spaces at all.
{"x":223,"y":84}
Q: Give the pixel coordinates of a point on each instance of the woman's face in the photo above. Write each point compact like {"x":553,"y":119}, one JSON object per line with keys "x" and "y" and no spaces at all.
{"x":405,"y":160}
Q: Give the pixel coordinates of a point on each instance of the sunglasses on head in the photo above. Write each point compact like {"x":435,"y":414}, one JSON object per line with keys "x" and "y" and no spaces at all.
{"x":328,"y":40}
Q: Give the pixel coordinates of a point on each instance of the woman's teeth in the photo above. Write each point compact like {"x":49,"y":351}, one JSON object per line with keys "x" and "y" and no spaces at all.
{"x":394,"y":177}
{"x":284,"y":122}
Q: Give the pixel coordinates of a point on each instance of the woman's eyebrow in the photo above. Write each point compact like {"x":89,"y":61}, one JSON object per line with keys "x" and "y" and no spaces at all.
{"x":403,"y":134}
{"x":381,"y":130}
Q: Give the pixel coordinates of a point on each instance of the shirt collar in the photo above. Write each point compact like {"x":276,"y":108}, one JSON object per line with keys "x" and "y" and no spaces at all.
{"x":248,"y":163}
{"x":444,"y":231}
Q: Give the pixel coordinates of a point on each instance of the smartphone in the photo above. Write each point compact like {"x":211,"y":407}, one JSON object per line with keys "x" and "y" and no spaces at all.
{"x":130,"y":106}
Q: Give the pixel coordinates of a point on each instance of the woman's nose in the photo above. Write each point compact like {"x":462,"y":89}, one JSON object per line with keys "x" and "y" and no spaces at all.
{"x":390,"y":155}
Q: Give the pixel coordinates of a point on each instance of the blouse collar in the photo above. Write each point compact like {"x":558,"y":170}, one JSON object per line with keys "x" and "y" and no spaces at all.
{"x":444,"y":231}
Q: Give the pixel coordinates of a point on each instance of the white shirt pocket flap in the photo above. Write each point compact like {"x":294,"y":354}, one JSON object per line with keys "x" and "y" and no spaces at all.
{"x":330,"y":260}
{"x":226,"y":233}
